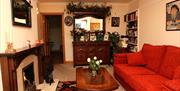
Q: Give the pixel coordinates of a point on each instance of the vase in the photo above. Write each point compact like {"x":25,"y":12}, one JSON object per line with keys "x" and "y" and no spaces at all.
{"x":94,"y":73}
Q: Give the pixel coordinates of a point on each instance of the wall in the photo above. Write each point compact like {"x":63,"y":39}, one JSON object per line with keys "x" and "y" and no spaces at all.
{"x":133,"y":5}
{"x":16,"y":34}
{"x":152,"y":27}
{"x":118,"y":10}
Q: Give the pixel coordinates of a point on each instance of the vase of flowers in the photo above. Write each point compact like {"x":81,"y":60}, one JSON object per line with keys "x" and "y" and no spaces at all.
{"x":94,"y":65}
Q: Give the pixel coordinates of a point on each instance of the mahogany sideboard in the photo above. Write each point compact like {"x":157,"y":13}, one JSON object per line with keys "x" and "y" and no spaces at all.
{"x":85,"y":49}
{"x":10,"y":61}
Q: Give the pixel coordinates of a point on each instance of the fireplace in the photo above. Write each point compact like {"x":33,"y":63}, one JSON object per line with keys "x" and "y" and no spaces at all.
{"x":21,"y":66}
{"x":28,"y":72}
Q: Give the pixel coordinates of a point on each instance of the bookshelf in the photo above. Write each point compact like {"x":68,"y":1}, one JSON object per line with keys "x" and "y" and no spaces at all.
{"x":132,"y":31}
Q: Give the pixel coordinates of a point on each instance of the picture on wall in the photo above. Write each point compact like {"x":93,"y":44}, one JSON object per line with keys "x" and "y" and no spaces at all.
{"x":21,"y":12}
{"x":173,"y":16}
{"x":115,"y":21}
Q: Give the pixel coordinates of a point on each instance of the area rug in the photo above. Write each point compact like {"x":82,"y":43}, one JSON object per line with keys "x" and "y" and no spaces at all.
{"x":67,"y":86}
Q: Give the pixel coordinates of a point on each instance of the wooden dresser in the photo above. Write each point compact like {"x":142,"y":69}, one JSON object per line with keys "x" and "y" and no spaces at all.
{"x":83,"y":50}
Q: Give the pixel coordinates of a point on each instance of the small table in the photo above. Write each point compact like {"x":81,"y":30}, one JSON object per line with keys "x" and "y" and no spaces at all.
{"x":102,"y":82}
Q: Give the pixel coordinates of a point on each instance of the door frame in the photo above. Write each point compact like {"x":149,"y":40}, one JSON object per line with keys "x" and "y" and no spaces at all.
{"x":42,"y":21}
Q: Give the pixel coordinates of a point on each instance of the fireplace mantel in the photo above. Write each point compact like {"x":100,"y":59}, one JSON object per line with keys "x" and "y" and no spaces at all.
{"x":10,"y":61}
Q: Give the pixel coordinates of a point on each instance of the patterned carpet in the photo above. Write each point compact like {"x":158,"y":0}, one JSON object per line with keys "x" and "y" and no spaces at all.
{"x":67,"y":86}
{"x":66,"y":72}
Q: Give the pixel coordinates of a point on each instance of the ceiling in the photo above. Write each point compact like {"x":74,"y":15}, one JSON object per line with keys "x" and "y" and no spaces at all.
{"x":120,"y":1}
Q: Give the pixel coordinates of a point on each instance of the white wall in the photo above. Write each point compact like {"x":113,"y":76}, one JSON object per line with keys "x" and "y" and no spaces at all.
{"x":152,"y":27}
{"x":133,"y":5}
{"x":16,"y":34}
{"x":118,"y":10}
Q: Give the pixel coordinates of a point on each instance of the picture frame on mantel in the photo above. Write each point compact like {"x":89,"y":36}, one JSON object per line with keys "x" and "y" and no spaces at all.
{"x":115,"y":21}
{"x":173,"y":16}
{"x":21,"y":12}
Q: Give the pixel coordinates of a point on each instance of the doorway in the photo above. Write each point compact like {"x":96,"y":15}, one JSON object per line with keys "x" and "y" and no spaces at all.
{"x":53,"y":34}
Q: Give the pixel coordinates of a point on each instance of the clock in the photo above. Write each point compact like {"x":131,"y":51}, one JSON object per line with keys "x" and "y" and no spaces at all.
{"x":68,"y":20}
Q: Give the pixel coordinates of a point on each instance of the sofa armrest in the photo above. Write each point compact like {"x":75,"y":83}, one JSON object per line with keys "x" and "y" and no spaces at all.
{"x":174,"y":85}
{"x":120,"y":58}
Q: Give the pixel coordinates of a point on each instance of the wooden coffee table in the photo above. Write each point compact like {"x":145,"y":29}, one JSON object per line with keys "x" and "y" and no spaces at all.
{"x":102,"y":82}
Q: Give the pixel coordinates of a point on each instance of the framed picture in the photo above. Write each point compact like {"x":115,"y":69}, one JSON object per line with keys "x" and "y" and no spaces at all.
{"x":173,"y":16}
{"x":115,"y":21}
{"x":92,"y":38}
{"x":21,"y":12}
{"x":106,"y":37}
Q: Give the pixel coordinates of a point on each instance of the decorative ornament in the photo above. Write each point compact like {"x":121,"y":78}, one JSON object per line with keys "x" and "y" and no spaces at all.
{"x":10,"y":48}
{"x":68,"y":20}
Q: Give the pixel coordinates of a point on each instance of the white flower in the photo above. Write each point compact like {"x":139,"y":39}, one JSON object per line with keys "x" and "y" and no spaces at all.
{"x":100,"y":61}
{"x":88,"y":60}
{"x":97,"y":62}
{"x":95,"y":58}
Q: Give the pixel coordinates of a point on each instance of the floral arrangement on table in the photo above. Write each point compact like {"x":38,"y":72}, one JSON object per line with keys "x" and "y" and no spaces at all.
{"x":94,"y":65}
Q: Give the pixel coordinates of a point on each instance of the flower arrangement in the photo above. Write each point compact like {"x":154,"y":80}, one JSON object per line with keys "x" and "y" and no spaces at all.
{"x":81,"y":7}
{"x":114,"y":37}
{"x":99,"y":35}
{"x":94,"y":64}
{"x":77,"y":33}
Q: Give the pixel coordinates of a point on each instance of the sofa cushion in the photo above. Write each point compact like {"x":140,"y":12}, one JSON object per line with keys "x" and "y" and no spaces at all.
{"x":177,"y":73}
{"x":149,"y":82}
{"x":135,"y":59}
{"x":132,"y":70}
{"x":174,"y":85}
{"x":170,"y":62}
{"x":127,"y":72}
{"x":153,"y":56}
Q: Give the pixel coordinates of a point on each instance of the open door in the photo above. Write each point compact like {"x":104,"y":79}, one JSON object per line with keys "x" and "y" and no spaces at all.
{"x":43,"y":33}
{"x":51,"y":30}
{"x":46,"y":37}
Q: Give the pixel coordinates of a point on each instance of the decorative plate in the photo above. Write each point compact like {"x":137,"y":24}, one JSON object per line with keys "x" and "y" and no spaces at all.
{"x":68,"y":20}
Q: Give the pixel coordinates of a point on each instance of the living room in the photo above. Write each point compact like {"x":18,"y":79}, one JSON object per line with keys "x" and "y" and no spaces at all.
{"x":151,"y":26}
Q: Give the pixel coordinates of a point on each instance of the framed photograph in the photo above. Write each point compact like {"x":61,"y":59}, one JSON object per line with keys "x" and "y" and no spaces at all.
{"x":173,"y":16}
{"x":106,"y":37}
{"x":21,"y":12}
{"x":92,"y":38}
{"x":115,"y":21}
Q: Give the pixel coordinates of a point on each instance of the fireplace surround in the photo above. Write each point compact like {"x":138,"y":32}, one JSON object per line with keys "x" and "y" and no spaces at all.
{"x":12,"y":66}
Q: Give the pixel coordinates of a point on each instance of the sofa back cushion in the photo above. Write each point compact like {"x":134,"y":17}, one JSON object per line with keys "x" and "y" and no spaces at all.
{"x":153,"y":56}
{"x":136,"y":59}
{"x":176,"y":74}
{"x":170,"y":62}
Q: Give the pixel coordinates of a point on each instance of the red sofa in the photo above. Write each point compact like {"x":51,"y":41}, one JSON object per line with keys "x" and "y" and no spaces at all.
{"x":154,"y":68}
